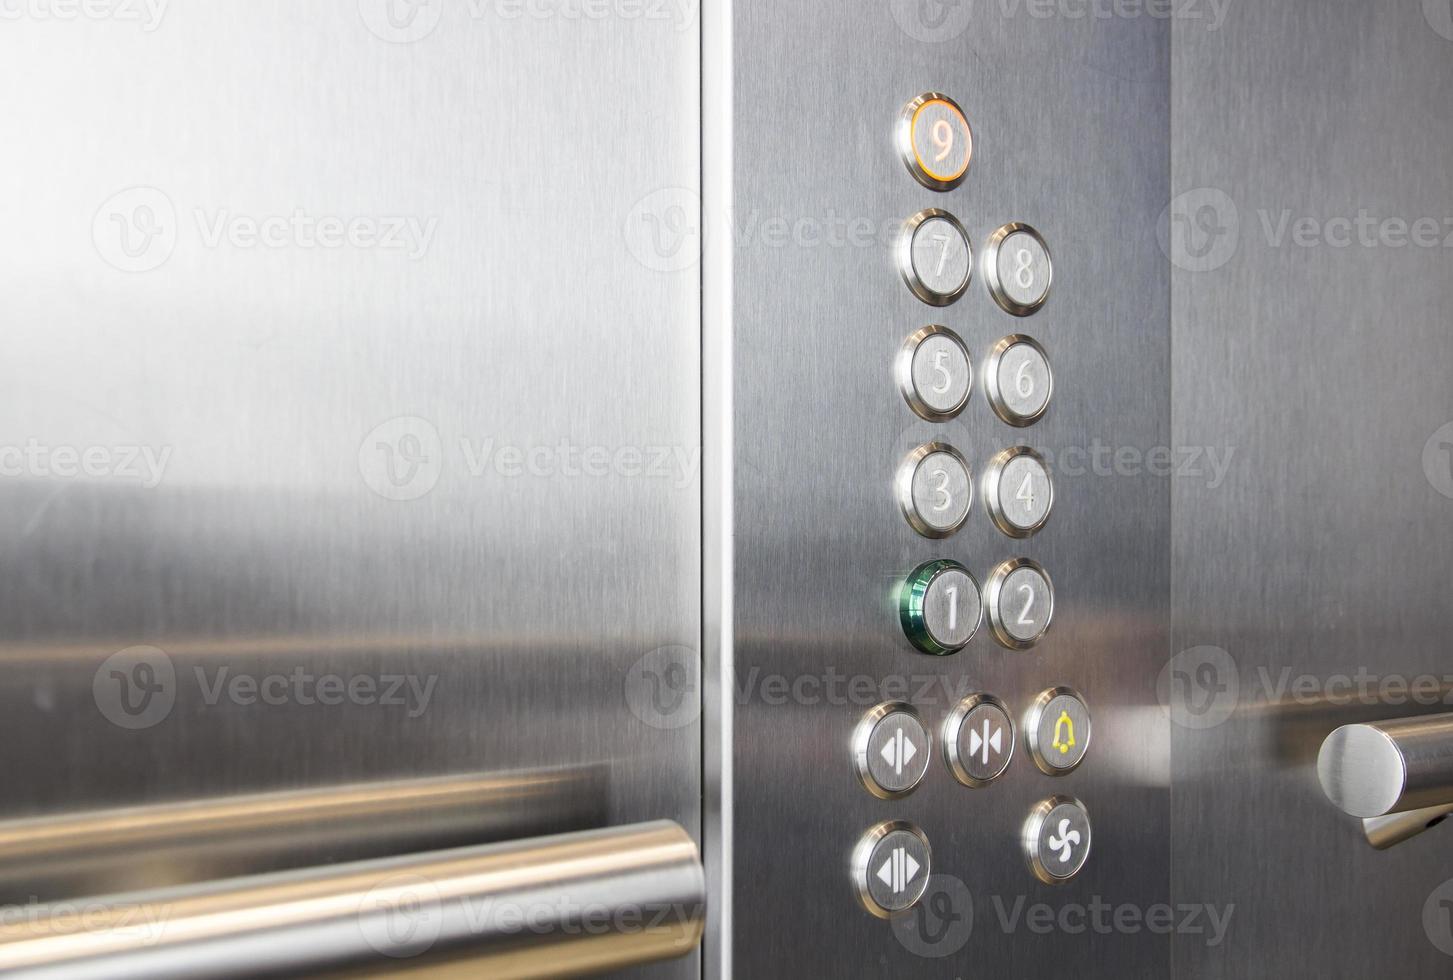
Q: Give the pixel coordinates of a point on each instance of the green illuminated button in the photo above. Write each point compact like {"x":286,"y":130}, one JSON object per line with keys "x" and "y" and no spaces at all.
{"x":940,"y":607}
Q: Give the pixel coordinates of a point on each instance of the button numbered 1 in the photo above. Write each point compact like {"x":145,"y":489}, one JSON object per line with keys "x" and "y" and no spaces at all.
{"x":1018,"y":491}
{"x":1018,"y":380}
{"x":935,"y":374}
{"x":940,"y":608}
{"x":1020,"y":603}
{"x":935,"y":257}
{"x":935,"y":141}
{"x":1018,"y":269}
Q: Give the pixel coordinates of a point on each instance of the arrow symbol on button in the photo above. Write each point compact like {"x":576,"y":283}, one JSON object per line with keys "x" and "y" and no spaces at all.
{"x":898,"y":871}
{"x":899,"y":751}
{"x":986,"y":742}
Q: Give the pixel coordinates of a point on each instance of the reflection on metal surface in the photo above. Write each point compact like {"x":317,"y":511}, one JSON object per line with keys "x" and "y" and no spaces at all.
{"x":555,"y":906}
{"x":46,"y":858}
{"x":1393,"y":829}
{"x":1389,"y":767}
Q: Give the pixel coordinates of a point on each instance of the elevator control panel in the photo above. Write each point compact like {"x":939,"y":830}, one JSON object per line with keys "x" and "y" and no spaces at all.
{"x":940,"y":603}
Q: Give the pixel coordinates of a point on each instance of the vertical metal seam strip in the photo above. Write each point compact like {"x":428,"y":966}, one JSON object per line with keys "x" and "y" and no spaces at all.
{"x":715,"y":24}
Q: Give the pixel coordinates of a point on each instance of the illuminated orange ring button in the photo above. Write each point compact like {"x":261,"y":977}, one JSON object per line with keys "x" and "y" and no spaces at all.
{"x":943,"y":144}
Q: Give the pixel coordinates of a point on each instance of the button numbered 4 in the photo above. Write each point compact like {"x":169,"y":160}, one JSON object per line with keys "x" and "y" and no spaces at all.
{"x":1018,"y":491}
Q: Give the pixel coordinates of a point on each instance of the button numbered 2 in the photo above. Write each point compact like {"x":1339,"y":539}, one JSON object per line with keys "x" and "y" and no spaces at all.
{"x":1020,"y":602}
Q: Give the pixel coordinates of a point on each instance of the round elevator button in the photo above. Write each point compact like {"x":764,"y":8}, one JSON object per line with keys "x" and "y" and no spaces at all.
{"x":935,"y":141}
{"x":1057,"y":839}
{"x":1018,"y":380}
{"x":1020,"y":601}
{"x":939,"y":607}
{"x":978,"y":740}
{"x":935,"y":490}
{"x":935,"y":373}
{"x":1018,"y":491}
{"x":935,"y":257}
{"x":891,"y":866}
{"x":1058,"y":729}
{"x":891,"y":750}
{"x":1018,"y":269}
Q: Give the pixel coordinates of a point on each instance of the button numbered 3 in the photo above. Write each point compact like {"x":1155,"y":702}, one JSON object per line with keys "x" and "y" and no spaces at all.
{"x":935,"y":490}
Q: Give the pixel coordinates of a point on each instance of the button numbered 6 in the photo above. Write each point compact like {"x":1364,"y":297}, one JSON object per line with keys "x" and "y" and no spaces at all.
{"x":1018,"y":380}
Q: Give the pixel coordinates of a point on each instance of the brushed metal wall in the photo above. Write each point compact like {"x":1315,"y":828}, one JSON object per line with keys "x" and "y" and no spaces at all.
{"x":1071,"y":122}
{"x":1313,"y":338}
{"x":336,"y":343}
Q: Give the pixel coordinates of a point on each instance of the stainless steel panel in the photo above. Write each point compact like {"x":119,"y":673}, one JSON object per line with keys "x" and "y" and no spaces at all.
{"x":1071,"y":124}
{"x":1319,"y":567}
{"x":470,"y":461}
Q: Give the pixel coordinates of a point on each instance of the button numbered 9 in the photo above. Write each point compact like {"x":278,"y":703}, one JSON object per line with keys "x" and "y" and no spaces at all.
{"x":935,"y":141}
